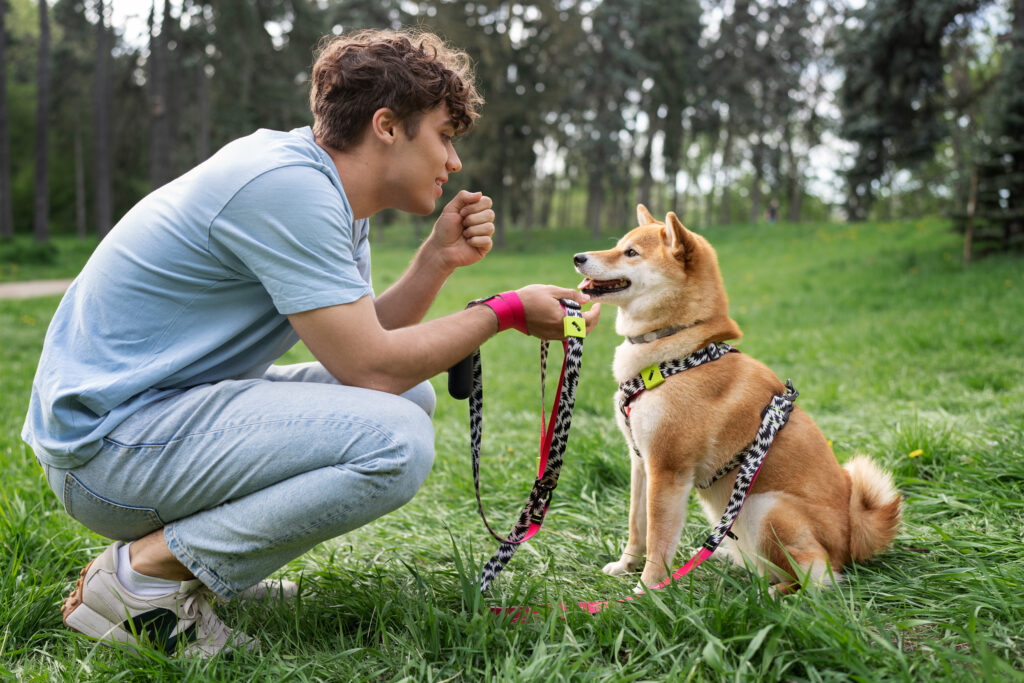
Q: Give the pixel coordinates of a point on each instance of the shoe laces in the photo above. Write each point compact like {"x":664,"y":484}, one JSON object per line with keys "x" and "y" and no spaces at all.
{"x":197,"y":609}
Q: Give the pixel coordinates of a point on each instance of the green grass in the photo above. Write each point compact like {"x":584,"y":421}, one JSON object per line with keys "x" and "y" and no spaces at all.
{"x":898,"y":352}
{"x":61,"y":257}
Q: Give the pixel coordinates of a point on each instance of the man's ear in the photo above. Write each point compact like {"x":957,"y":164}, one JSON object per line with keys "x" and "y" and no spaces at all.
{"x":383,"y":125}
{"x":643,"y":216}
{"x":680,"y":240}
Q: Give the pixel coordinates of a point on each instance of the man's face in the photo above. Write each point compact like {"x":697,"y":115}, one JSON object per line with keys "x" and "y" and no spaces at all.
{"x":420,"y":164}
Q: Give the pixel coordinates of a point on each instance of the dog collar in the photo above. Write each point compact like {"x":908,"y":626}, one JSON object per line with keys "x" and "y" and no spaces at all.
{"x":661,"y":333}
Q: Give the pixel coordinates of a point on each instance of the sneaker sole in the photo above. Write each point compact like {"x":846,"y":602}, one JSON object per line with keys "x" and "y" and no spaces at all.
{"x":81,"y":618}
{"x":74,"y":599}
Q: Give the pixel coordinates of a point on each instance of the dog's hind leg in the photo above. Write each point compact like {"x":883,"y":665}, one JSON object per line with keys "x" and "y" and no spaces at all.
{"x":636,"y":544}
{"x":796,"y":558}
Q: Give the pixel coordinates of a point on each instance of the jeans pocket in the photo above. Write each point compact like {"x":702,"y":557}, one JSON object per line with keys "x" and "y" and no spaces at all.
{"x":105,"y":517}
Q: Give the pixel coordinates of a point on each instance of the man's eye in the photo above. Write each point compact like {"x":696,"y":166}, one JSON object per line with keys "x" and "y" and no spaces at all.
{"x":631,"y":253}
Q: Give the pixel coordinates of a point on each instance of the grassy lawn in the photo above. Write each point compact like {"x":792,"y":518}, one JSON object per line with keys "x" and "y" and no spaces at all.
{"x":897,"y":351}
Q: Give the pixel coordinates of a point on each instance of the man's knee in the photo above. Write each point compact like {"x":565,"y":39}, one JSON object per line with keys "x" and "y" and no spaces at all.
{"x":423,"y":395}
{"x":415,"y":451}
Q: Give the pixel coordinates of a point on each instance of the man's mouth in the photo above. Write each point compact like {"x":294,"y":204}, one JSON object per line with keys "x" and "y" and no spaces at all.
{"x":602,"y":287}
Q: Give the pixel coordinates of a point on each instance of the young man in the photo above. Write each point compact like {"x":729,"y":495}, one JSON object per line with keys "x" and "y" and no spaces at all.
{"x":156,"y":413}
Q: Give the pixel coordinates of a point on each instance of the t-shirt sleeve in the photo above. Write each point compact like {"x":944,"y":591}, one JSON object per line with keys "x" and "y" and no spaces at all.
{"x":292,"y":229}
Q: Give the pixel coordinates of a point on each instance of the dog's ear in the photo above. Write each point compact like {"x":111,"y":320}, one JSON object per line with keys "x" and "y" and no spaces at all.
{"x":680,"y":240}
{"x":643,"y":216}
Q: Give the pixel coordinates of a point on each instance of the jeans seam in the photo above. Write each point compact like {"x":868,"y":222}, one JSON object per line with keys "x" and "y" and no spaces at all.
{"x":335,"y":420}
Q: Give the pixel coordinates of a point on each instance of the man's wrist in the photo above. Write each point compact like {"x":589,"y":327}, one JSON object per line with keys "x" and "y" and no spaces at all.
{"x":432,"y":258}
{"x":508,"y":308}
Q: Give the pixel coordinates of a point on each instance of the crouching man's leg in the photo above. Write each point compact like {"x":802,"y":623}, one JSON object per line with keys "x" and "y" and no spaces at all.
{"x":224,"y":484}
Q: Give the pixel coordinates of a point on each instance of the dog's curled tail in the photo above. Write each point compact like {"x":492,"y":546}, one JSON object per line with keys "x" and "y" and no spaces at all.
{"x":874,"y":508}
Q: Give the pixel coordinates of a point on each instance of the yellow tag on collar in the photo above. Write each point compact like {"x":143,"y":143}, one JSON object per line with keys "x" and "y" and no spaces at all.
{"x":574,"y":326}
{"x":651,"y":376}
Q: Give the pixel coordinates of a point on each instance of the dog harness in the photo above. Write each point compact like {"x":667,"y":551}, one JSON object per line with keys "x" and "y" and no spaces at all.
{"x":749,"y":460}
{"x":554,"y":437}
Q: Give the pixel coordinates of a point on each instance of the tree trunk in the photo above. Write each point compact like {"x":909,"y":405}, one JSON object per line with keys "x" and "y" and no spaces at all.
{"x":972,"y":197}
{"x":725,"y":204}
{"x":6,"y":208}
{"x":755,"y":187}
{"x":545,"y":198}
{"x":81,"y":225}
{"x":170,"y":34}
{"x":595,"y":201}
{"x":793,"y":186}
{"x":564,"y":217}
{"x":159,"y":143}
{"x":102,"y":151}
{"x":203,"y":104}
{"x":41,"y":219}
{"x":644,"y":187}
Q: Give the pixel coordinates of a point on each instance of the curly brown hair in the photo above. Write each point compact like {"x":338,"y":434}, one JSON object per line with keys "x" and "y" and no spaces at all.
{"x":408,"y":72}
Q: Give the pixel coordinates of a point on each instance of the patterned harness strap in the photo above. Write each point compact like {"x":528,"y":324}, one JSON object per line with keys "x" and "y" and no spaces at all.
{"x":554,"y":438}
{"x":654,"y":375}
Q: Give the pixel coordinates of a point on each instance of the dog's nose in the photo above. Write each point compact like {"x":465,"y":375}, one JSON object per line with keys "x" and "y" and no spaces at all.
{"x":579,"y":259}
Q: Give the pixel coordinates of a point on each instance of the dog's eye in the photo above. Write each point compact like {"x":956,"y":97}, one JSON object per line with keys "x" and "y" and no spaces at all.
{"x":631,"y":253}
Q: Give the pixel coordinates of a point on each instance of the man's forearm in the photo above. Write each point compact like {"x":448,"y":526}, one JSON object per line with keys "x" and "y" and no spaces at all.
{"x":364,"y":355}
{"x":408,"y":300}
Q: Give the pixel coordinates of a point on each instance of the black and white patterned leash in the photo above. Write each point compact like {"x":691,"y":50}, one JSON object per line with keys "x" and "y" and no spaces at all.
{"x":553,"y":441}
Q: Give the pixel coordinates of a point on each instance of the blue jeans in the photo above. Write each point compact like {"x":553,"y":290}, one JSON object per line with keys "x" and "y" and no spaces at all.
{"x":246,"y":474}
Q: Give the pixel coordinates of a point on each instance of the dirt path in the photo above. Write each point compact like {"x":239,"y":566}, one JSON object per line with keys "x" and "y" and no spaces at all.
{"x":32,"y":289}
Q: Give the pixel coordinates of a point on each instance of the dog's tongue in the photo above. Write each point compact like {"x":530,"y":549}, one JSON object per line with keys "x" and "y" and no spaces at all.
{"x":587,"y":282}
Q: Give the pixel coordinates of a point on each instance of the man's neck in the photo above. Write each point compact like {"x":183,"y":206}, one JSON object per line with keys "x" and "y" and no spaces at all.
{"x":359,"y":178}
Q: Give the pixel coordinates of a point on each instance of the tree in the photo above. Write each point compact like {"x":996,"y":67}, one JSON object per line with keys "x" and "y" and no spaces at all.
{"x":70,"y":137}
{"x":102,"y":122}
{"x":999,"y":171}
{"x":6,"y":205}
{"x":41,"y":218}
{"x":159,"y":95}
{"x":894,"y":93}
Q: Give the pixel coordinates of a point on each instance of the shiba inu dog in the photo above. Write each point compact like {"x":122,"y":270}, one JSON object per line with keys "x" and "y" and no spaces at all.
{"x":806,"y":516}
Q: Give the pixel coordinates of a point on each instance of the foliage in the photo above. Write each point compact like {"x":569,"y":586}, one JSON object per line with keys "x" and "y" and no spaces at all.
{"x":23,"y":258}
{"x":898,"y":352}
{"x":717,"y":110}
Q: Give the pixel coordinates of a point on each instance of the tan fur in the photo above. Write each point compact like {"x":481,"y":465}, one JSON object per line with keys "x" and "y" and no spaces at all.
{"x":805,"y":510}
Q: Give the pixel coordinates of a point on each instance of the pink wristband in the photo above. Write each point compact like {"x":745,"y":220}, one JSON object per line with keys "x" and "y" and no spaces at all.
{"x":509,"y":309}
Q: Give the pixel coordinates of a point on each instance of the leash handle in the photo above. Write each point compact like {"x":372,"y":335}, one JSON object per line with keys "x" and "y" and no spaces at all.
{"x":460,"y":379}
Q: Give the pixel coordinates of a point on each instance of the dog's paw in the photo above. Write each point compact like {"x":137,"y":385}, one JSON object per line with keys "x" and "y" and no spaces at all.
{"x":617,"y":568}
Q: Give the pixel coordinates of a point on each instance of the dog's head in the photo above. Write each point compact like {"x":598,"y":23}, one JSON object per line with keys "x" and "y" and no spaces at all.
{"x":658,"y":273}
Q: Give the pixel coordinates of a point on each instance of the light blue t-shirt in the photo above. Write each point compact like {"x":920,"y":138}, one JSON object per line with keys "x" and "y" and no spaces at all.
{"x":193,"y":286}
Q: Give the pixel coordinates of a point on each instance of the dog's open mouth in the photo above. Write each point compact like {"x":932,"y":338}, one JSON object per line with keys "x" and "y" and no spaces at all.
{"x":600,"y":287}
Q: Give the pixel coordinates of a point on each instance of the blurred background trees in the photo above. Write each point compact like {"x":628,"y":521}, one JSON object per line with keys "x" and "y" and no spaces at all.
{"x":724,"y":112}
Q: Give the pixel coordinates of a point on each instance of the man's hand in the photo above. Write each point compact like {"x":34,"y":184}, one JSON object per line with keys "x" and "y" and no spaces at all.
{"x":544,"y":313}
{"x":462,"y":234}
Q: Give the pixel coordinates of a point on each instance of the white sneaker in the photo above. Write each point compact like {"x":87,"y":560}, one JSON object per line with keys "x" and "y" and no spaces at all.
{"x":101,"y":607}
{"x":274,"y":589}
